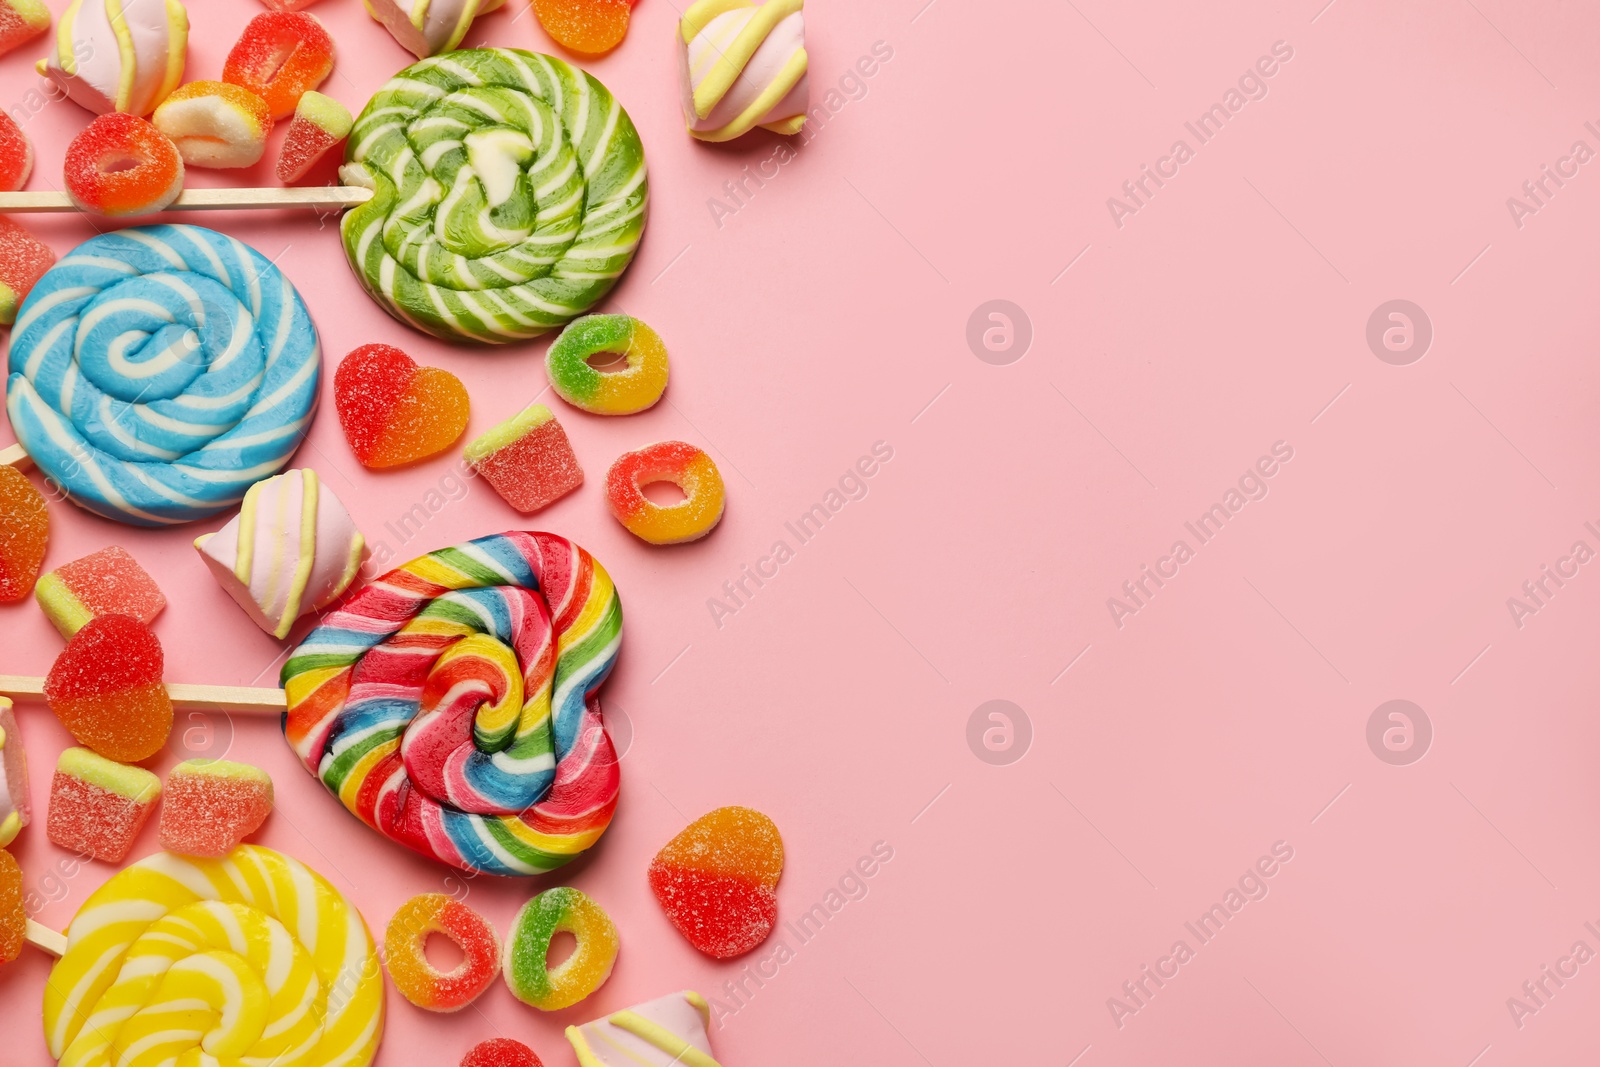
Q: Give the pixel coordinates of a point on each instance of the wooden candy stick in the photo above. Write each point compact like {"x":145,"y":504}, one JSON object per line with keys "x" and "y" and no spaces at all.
{"x":15,"y":456}
{"x":332,"y":197}
{"x":227,"y":698}
{"x":46,"y":940}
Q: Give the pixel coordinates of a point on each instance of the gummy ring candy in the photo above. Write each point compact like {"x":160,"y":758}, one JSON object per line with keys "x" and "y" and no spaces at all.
{"x":685,"y":466}
{"x":418,"y":980}
{"x":452,"y":704}
{"x":621,"y":392}
{"x":562,"y":910}
{"x":509,"y":194}
{"x":121,"y":165}
{"x":160,"y":371}
{"x":269,"y":959}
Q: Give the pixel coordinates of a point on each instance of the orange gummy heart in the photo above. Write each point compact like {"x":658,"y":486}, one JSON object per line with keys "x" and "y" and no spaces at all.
{"x":106,"y":689}
{"x":717,"y":880}
{"x":394,"y":412}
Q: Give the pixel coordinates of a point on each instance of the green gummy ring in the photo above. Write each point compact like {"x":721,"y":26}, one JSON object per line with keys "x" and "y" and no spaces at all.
{"x":509,"y":194}
{"x":622,"y":392}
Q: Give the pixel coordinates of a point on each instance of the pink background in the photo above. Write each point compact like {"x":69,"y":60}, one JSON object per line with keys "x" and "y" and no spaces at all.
{"x":829,"y":312}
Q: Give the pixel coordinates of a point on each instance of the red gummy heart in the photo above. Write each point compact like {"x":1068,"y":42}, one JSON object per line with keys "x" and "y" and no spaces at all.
{"x":106,"y":689}
{"x":717,"y":881}
{"x":395,"y":412}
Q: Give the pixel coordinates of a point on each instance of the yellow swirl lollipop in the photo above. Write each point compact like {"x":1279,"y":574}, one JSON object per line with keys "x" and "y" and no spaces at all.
{"x":251,"y":959}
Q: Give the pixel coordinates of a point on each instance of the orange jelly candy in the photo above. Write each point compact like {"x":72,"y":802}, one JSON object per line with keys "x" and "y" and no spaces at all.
{"x":588,"y":27}
{"x":395,"y":412}
{"x":718,"y":880}
{"x":106,"y":689}
{"x":281,"y":56}
{"x":24,"y":529}
{"x":13,"y":920}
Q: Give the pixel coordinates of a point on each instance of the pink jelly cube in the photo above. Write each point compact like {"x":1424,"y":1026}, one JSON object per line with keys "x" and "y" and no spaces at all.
{"x":212,"y":805}
{"x":98,"y":806}
{"x":527,"y":459}
{"x":107,"y":582}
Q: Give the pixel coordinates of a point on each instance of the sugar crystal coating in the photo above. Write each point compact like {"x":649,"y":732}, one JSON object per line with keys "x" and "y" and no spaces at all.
{"x":121,"y":165}
{"x":16,"y":151}
{"x":501,"y":1052}
{"x":683,"y":465}
{"x":281,"y":56}
{"x":557,"y":911}
{"x":106,"y":689}
{"x":394,"y":412}
{"x":13,"y":919}
{"x":21,"y":21}
{"x":24,"y":259}
{"x":527,"y":459}
{"x":24,"y":530}
{"x":418,"y":980}
{"x":587,"y":27}
{"x":215,"y":124}
{"x":98,"y":806}
{"x":717,"y":880}
{"x":210,"y":806}
{"x":107,"y":582}
{"x":319,"y":123}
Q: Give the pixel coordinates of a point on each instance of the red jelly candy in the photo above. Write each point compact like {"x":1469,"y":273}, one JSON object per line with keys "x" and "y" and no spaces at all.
{"x":16,"y":154}
{"x":212,"y":805}
{"x":106,"y":689}
{"x":122,"y":165}
{"x":501,"y":1052}
{"x":23,"y":260}
{"x":320,"y":122}
{"x":98,"y":806}
{"x":718,"y":880}
{"x":393,"y":411}
{"x":281,"y":55}
{"x":20,"y":22}
{"x":527,"y":459}
{"x":24,"y":530}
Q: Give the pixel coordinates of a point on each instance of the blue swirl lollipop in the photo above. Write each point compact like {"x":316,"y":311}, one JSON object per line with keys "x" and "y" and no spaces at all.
{"x":158,"y":372}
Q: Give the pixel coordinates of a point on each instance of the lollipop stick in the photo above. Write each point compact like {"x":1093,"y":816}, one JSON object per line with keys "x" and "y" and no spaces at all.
{"x":239,"y":698}
{"x":15,"y":456}
{"x":46,"y":940}
{"x":318,"y":196}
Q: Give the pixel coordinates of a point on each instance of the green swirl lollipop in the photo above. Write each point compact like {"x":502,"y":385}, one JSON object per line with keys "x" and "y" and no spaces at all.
{"x":509,"y":194}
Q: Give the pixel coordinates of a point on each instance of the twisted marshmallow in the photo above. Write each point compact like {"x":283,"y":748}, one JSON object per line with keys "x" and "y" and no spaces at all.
{"x":119,"y":55}
{"x":743,"y":66}
{"x":427,"y":27}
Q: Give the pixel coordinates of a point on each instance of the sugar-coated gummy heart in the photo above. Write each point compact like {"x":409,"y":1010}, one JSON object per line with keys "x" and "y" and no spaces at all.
{"x":636,"y":387}
{"x":718,"y":880}
{"x":291,"y":550}
{"x":21,"y":21}
{"x":210,"y":806}
{"x":419,"y":981}
{"x":527,"y":459}
{"x":281,"y":55}
{"x":743,"y":65}
{"x":251,"y":960}
{"x":215,"y":124}
{"x":121,"y":165}
{"x":683,"y":465}
{"x":106,"y":689}
{"x":394,"y":412}
{"x":510,"y":194}
{"x":670,"y":1031}
{"x":562,"y":910}
{"x":24,"y":531}
{"x":24,"y":259}
{"x":13,"y":918}
{"x":429,"y":27}
{"x":587,"y":27}
{"x":16,"y":153}
{"x":107,"y":582}
{"x":320,"y":122}
{"x":119,"y":55}
{"x":160,"y":371}
{"x":16,"y":811}
{"x":97,"y":805}
{"x":501,"y":1052}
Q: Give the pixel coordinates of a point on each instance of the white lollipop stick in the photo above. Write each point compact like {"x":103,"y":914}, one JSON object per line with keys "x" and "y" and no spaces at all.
{"x":15,"y":456}
{"x":46,"y":940}
{"x":321,"y":196}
